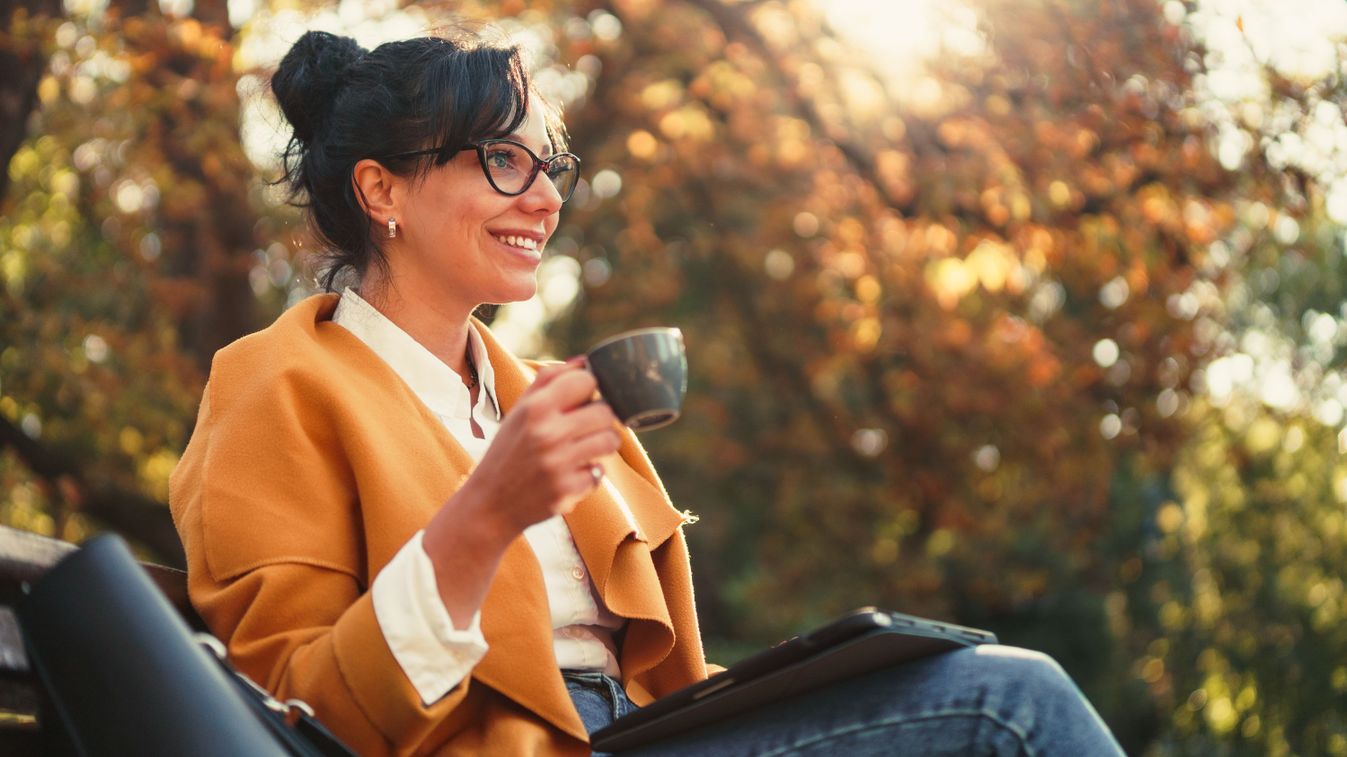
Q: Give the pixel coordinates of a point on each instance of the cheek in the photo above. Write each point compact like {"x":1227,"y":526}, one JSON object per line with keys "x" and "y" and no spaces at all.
{"x":460,"y":220}
{"x":480,"y":208}
{"x":457,"y":207}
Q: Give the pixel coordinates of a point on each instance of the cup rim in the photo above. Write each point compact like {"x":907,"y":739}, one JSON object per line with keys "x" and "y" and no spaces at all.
{"x":634,"y":422}
{"x":635,"y":332}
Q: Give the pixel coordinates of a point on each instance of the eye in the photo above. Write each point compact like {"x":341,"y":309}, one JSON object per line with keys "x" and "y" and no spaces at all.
{"x":506,"y":158}
{"x":559,"y":166}
{"x":500,"y":158}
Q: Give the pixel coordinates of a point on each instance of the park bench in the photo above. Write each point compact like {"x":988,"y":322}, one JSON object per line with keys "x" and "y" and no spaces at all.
{"x":24,"y":558}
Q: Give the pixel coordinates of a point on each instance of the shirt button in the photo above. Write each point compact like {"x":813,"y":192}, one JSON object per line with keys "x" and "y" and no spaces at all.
{"x":578,"y":573}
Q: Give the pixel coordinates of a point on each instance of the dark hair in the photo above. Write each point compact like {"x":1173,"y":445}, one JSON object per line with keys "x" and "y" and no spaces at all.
{"x":346,"y":104}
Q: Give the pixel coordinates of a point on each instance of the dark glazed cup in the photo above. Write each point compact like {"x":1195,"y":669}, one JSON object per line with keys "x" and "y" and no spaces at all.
{"x":642,"y":375}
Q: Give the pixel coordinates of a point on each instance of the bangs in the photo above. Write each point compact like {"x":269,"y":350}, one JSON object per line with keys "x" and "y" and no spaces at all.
{"x":556,"y":127}
{"x":470,"y":95}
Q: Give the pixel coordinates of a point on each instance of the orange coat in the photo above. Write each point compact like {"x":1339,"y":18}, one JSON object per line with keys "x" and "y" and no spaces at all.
{"x":312,"y":464}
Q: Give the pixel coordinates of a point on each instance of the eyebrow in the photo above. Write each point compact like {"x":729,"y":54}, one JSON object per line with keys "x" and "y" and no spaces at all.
{"x":544,"y":153}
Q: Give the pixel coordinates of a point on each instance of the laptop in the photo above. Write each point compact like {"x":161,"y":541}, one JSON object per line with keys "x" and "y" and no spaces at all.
{"x":862,"y":641}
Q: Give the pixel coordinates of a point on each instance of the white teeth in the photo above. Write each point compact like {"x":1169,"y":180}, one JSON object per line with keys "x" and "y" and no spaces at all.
{"x":514,"y":241}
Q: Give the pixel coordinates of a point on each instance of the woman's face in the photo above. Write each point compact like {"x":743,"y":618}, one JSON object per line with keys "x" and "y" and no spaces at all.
{"x":462,"y":243}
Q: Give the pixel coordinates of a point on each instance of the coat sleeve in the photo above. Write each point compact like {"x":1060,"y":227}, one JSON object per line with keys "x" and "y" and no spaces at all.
{"x":270,"y":519}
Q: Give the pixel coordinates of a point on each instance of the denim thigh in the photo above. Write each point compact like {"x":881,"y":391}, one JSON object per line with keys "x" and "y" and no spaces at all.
{"x":987,"y":700}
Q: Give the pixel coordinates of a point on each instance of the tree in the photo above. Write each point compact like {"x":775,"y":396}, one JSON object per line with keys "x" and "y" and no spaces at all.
{"x":1026,"y":237}
{"x":136,"y":222}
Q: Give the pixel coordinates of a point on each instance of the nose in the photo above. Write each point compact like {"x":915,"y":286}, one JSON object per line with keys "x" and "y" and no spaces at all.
{"x":542,"y":196}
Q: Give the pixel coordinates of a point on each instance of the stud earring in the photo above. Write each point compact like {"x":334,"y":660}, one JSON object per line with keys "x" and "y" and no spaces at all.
{"x":392,"y":228}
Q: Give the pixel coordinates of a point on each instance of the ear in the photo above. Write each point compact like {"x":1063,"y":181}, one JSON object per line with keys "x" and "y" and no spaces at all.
{"x":377,"y":189}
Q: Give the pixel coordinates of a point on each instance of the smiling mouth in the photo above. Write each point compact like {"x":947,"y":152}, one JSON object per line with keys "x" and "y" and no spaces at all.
{"x":523,"y":243}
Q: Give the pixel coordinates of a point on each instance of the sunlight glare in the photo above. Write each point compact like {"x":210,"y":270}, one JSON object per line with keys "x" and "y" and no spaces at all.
{"x":900,"y":36}
{"x":1297,"y":38}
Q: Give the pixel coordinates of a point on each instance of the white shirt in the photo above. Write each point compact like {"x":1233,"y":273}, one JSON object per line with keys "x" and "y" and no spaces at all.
{"x":434,"y":654}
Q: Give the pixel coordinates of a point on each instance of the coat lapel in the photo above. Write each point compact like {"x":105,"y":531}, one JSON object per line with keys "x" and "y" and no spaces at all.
{"x":614,"y":546}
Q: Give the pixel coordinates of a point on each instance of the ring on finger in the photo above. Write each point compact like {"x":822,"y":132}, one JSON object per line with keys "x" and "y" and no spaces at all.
{"x":596,"y":473}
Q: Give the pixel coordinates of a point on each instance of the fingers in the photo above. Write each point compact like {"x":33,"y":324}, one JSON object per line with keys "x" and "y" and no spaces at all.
{"x":591,"y":447}
{"x":594,"y":472}
{"x":580,"y":449}
{"x":551,"y":438}
{"x":592,"y":416}
{"x":561,"y":411}
{"x":566,"y":389}
{"x":580,"y":482}
{"x":550,"y":371}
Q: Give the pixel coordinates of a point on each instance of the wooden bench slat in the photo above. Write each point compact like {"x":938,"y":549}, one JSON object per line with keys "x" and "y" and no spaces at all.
{"x":24,"y":557}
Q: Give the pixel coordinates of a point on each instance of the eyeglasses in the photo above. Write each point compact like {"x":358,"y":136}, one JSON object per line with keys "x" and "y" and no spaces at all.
{"x":511,"y":167}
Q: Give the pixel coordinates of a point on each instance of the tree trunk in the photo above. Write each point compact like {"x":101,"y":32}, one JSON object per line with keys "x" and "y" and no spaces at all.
{"x":22,"y":61}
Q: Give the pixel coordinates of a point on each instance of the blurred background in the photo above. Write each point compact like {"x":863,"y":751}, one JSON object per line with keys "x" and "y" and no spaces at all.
{"x":1027,"y":314}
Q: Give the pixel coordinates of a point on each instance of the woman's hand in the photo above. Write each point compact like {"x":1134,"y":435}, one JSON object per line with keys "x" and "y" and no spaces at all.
{"x":538,"y":465}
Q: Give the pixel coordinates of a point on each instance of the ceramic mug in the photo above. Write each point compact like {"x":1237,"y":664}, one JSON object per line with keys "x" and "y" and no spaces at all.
{"x":642,"y":375}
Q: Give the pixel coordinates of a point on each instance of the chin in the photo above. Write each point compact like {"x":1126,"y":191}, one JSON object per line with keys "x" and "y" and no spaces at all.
{"x":517,"y":292}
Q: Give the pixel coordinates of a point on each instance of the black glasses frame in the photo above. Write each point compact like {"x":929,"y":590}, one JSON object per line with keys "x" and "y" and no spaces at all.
{"x":539,"y":164}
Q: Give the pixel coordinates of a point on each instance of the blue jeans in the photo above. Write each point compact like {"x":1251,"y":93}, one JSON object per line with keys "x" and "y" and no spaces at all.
{"x":986,"y":700}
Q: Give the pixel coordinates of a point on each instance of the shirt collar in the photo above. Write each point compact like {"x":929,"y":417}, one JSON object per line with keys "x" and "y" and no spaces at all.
{"x":434,"y":383}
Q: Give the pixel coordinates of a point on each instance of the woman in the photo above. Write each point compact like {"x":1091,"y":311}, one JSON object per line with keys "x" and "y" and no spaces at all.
{"x":444,"y":549}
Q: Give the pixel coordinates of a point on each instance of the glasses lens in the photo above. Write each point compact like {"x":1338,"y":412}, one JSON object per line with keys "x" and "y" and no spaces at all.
{"x":564,"y":171}
{"x":508,"y":165}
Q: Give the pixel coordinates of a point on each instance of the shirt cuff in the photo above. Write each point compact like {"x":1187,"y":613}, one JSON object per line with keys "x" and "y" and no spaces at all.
{"x":433,"y":654}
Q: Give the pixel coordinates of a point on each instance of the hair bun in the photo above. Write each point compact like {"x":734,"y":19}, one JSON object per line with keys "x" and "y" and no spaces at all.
{"x":309,"y":77}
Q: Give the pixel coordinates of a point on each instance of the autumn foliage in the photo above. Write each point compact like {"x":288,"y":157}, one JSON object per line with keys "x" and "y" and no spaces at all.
{"x":948,"y":337}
